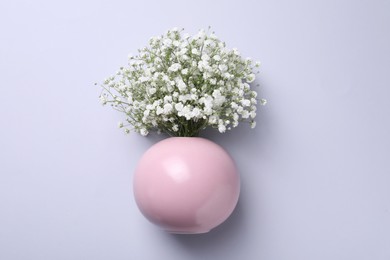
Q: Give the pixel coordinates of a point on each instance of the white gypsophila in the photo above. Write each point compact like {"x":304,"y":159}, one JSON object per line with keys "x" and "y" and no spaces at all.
{"x":181,"y":84}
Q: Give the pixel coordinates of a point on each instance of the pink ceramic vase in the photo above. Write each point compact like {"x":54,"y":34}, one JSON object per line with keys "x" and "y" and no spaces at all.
{"x":186,"y":185}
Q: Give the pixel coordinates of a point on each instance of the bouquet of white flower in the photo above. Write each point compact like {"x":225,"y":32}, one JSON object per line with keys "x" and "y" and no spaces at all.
{"x":181,"y":84}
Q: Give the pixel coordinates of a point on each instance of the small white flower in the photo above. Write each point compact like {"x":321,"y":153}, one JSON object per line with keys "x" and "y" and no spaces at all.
{"x":167,"y":108}
{"x":205,"y":57}
{"x":208,"y":43}
{"x":103,"y":100}
{"x":179,"y":107}
{"x":159,"y":110}
{"x":245,"y":86}
{"x":252,"y":114}
{"x":184,"y":71}
{"x":221,"y":128}
{"x":165,"y":78}
{"x":222,"y":67}
{"x":182,"y":51}
{"x":174,"y":67}
{"x":218,"y":98}
{"x":201,"y":34}
{"x":196,"y":113}
{"x":235,"y":116}
{"x":245,"y":114}
{"x":167,"y":42}
{"x":143,"y":79}
{"x":144,"y":132}
{"x":216,"y":93}
{"x":184,"y":98}
{"x":181,"y":85}
{"x":213,"y":36}
{"x":167,"y":99}
{"x":186,"y":112}
{"x":156,"y":103}
{"x":245,"y":102}
{"x":213,"y":119}
{"x":251,"y":78}
{"x":228,"y":75}
{"x":195,"y":51}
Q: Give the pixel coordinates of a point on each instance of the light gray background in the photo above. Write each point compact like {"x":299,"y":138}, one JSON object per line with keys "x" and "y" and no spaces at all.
{"x":315,"y":172}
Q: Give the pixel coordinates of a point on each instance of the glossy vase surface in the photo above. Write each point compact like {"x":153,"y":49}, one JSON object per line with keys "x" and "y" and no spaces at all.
{"x":186,"y":185}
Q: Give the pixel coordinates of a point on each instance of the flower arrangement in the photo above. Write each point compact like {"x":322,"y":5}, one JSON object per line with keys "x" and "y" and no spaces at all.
{"x":181,"y":84}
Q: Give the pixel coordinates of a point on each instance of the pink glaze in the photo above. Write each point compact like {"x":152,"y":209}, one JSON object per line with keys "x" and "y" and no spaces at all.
{"x":186,"y":185}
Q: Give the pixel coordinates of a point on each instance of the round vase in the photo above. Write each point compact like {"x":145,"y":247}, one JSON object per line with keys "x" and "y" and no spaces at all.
{"x":186,"y":185}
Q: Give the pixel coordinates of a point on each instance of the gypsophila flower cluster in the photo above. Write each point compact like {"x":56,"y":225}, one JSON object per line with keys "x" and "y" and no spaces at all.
{"x":181,"y":84}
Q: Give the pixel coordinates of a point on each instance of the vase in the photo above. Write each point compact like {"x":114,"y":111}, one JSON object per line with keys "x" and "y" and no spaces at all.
{"x":186,"y":185}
